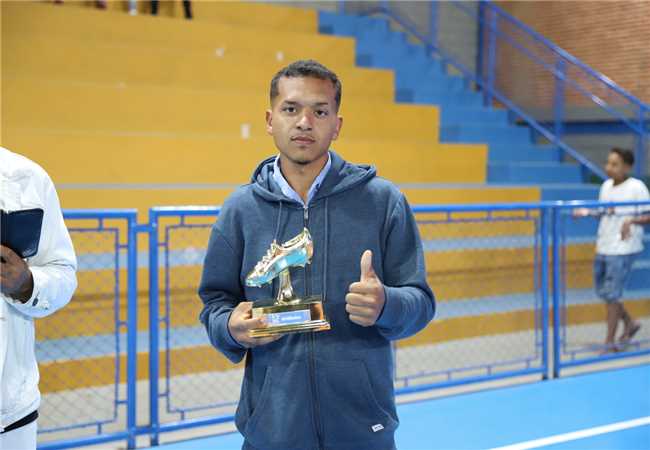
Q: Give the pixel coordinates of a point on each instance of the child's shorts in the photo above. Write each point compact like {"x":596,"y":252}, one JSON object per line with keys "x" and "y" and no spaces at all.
{"x":610,"y":275}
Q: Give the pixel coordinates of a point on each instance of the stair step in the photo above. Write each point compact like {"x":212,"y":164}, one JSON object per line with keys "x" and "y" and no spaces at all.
{"x":460,"y":99}
{"x":421,"y":76}
{"x":530,"y":153}
{"x":349,"y":25}
{"x":484,"y":133}
{"x":568,"y":191}
{"x":437,"y":87}
{"x":453,"y":116}
{"x":533,"y":172}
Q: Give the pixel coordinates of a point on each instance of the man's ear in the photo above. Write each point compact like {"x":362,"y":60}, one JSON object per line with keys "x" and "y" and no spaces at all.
{"x":269,"y":121}
{"x":339,"y":124}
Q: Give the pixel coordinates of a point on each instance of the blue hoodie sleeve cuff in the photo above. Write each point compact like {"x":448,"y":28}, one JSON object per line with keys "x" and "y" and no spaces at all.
{"x":392,"y":311}
{"x":228,"y":345}
{"x":231,"y":341}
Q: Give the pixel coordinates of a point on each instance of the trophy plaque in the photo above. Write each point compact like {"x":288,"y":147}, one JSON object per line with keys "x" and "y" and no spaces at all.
{"x":287,"y":313}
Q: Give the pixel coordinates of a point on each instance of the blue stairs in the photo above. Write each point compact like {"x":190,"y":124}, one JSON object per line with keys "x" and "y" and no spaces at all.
{"x":513,"y":157}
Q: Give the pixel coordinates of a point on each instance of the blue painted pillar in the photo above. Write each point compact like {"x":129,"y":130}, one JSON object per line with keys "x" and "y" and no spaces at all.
{"x":544,"y":281}
{"x":480,"y":38}
{"x":433,"y":24}
{"x":154,"y":321}
{"x":557,"y":291}
{"x":641,"y":144}
{"x":132,"y":330}
{"x":492,"y":57}
{"x":559,"y":99}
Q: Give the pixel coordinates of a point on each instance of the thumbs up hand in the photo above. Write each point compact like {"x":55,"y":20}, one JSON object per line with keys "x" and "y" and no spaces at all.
{"x":365,"y":299}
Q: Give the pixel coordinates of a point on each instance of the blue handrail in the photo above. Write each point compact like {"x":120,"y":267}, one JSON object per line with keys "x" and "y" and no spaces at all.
{"x":129,"y":429}
{"x":155,"y":213}
{"x":129,"y":214}
{"x":523,"y":206}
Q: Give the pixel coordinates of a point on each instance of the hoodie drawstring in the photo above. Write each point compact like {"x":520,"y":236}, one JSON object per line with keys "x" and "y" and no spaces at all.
{"x":275,"y":286}
{"x":276,"y":235}
{"x":326,"y":249}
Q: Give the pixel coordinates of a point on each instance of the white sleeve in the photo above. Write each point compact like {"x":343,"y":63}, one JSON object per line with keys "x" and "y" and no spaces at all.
{"x":643,"y":194}
{"x":54,"y":266}
{"x":601,"y":198}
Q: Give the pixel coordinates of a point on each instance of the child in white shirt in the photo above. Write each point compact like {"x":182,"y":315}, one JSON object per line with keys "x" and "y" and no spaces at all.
{"x":620,"y":240}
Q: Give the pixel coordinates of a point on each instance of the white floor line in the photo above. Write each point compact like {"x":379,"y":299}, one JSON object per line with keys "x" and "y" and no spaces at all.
{"x":559,"y":438}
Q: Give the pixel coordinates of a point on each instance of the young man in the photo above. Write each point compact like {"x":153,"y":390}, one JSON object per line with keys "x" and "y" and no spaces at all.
{"x":332,"y":389}
{"x":620,"y":240}
{"x":29,"y":289}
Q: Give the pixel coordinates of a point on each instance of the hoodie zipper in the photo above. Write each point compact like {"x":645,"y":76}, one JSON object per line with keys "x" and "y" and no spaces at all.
{"x":312,"y":348}
{"x":305,"y":216}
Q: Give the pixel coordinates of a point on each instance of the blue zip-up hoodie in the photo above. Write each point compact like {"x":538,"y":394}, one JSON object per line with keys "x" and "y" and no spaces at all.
{"x":331,"y":389}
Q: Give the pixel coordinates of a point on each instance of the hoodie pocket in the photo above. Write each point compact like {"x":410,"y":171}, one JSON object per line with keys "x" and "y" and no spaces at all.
{"x":281,"y":417}
{"x":350,"y":411}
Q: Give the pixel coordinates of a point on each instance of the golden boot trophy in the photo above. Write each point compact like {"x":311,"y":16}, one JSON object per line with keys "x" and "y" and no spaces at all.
{"x":286,"y":313}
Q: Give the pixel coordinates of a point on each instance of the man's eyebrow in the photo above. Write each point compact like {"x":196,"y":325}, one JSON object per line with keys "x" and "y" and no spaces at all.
{"x":291,"y":102}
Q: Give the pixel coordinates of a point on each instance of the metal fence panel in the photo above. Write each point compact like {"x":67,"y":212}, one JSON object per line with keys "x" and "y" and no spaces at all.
{"x":581,"y":314}
{"x":485,"y":270}
{"x":84,"y":349}
{"x":194,"y":382}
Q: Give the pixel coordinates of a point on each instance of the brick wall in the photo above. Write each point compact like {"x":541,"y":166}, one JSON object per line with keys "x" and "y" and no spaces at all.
{"x":611,"y":37}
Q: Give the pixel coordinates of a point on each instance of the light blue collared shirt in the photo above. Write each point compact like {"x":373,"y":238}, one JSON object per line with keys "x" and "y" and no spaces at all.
{"x":288,"y":190}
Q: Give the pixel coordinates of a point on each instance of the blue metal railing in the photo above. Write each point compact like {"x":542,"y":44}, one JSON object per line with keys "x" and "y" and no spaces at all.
{"x":564,"y":54}
{"x":535,"y":361}
{"x":569,"y":73}
{"x":548,"y":239}
{"x":99,"y":217}
{"x":566,"y":352}
{"x":155,"y":215}
{"x":498,"y":32}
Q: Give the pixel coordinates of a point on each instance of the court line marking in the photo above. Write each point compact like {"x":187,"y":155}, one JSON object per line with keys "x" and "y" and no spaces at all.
{"x":574,"y":435}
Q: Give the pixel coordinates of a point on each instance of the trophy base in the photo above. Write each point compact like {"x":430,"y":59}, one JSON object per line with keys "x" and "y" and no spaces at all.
{"x":296,"y":316}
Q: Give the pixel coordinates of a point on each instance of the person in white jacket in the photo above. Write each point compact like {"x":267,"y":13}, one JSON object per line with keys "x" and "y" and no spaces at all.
{"x":29,"y":288}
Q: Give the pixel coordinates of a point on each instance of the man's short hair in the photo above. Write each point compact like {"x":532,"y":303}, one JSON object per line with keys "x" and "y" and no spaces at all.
{"x":626,"y":155}
{"x":307,"y":68}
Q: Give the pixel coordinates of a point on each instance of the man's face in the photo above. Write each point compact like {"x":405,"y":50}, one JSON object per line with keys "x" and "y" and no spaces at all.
{"x":615,"y":167}
{"x":303,"y":119}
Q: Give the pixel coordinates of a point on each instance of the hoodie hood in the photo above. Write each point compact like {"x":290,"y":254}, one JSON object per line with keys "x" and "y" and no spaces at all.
{"x":341,"y":177}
